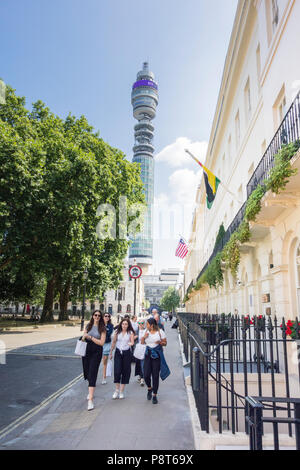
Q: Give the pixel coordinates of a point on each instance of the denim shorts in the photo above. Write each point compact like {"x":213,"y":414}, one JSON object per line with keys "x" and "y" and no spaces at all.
{"x":106,"y":349}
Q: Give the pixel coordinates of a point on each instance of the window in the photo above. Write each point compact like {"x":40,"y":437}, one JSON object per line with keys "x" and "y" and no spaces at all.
{"x":247,"y":98}
{"x":229,"y":148}
{"x":101,"y":308}
{"x":275,"y":14}
{"x":258,"y":65}
{"x":282,"y":109}
{"x":279,"y":108}
{"x":119,"y":308}
{"x":128,"y":309}
{"x":237,"y":130}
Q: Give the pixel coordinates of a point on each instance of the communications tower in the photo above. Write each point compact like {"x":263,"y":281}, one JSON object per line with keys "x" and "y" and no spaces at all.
{"x":144,"y":99}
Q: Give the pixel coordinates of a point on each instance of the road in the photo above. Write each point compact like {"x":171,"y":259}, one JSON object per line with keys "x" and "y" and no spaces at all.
{"x":33,"y":373}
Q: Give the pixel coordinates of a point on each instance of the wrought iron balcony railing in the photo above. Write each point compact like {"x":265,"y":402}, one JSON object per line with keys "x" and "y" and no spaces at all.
{"x":288,"y":132}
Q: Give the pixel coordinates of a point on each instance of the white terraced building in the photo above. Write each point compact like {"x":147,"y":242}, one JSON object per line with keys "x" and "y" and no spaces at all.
{"x":258,"y":110}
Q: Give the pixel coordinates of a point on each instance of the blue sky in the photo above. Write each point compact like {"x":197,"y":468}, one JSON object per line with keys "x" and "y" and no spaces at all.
{"x":82,"y":56}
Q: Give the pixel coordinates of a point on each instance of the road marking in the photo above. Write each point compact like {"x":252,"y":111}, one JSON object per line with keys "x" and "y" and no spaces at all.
{"x":41,"y":355}
{"x":36,"y":409}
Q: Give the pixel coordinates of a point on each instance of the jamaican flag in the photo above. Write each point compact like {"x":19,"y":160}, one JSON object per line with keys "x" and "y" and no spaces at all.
{"x":211,"y":182}
{"x":211,"y":185}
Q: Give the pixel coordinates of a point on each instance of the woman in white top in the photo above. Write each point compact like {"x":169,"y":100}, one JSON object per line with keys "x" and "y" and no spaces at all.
{"x":123,"y":340}
{"x":153,"y":337}
{"x":139,"y":364}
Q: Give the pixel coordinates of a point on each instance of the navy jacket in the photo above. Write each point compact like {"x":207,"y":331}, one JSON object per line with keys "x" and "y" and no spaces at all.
{"x":159,"y":353}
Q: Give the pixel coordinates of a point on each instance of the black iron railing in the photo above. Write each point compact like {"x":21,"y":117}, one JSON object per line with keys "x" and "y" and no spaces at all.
{"x":218,"y":348}
{"x":255,"y":419}
{"x":289,"y":131}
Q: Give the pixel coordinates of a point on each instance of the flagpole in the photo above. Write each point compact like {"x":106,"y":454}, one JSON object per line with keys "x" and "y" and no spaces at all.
{"x":222,"y":184}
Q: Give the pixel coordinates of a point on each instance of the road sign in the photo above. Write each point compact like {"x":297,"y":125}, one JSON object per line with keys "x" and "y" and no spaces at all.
{"x":135,"y":272}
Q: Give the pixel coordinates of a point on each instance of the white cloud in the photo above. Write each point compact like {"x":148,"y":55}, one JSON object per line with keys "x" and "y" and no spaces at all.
{"x":175,"y":155}
{"x":183,"y":184}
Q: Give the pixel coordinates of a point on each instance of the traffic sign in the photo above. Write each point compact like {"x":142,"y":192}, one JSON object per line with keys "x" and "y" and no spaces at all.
{"x":135,"y":272}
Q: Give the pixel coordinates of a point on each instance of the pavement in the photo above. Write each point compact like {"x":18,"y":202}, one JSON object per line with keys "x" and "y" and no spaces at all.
{"x":61,"y":420}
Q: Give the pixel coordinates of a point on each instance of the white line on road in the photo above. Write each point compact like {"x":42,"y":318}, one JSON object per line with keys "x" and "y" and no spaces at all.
{"x":36,"y":409}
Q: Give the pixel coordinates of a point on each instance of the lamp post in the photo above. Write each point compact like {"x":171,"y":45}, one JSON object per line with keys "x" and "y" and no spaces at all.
{"x":85,"y":275}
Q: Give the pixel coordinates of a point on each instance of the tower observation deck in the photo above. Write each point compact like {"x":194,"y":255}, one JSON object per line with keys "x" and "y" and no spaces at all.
{"x":144,"y":99}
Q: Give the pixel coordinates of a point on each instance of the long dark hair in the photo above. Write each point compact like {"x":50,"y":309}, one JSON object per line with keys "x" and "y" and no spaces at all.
{"x":129,"y":329}
{"x":153,"y":322}
{"x":109,"y":321}
{"x":101,"y":325}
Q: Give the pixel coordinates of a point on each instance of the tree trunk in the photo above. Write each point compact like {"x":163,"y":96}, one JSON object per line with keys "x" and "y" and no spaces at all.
{"x":64,"y":294}
{"x":47,"y":313}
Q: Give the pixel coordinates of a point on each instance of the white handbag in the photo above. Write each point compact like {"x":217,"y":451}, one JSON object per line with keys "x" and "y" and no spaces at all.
{"x":109,"y":368}
{"x":139,"y":351}
{"x":80,"y":349}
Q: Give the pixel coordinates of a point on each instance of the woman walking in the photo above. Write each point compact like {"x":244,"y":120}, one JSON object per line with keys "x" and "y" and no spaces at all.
{"x":123,"y":340}
{"x":94,"y":334}
{"x":107,"y":345}
{"x":154,"y":362}
{"x":139,"y":364}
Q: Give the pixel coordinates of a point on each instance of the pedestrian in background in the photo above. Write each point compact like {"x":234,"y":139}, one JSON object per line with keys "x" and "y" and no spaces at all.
{"x":123,"y":340}
{"x":154,"y":363}
{"x":139,"y":364}
{"x":94,"y":334}
{"x":159,"y":320}
{"x":107,"y":345}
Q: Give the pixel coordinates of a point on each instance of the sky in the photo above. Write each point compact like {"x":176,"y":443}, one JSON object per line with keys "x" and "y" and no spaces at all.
{"x":82,"y":56}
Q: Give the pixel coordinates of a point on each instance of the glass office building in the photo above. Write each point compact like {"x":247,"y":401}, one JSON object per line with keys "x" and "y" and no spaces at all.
{"x":144,"y":99}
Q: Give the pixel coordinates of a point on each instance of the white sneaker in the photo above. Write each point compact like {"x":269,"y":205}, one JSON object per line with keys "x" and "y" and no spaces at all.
{"x":142,"y":382}
{"x":104,"y":382}
{"x":88,"y":397}
{"x":121,"y":395}
{"x":138,"y":379}
{"x":90,"y":405}
{"x":115,"y":395}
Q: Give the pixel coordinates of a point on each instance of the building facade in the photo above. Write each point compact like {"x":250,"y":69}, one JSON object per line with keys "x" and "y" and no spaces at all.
{"x":257,"y":113}
{"x":144,"y":99}
{"x":156,"y":285}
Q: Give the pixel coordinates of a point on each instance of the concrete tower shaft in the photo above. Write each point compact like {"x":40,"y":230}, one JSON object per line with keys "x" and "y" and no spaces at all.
{"x":144,"y":100}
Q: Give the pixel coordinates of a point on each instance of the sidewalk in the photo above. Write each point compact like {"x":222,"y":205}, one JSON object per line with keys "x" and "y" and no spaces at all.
{"x":30,"y":336}
{"x":130,"y":424}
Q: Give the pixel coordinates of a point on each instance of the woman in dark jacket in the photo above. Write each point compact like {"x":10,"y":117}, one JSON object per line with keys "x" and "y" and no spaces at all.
{"x":107,"y":345}
{"x":94,"y":334}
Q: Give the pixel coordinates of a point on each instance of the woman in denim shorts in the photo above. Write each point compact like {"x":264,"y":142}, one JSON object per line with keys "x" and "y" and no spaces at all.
{"x":107,"y":345}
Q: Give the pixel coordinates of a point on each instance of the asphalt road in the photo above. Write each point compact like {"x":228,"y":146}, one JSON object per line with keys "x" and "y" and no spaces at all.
{"x":32,"y":373}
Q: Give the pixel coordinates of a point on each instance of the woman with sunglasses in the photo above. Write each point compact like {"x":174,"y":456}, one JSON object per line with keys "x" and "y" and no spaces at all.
{"x":107,"y":345}
{"x":123,"y":340}
{"x":94,"y":334}
{"x":139,"y":364}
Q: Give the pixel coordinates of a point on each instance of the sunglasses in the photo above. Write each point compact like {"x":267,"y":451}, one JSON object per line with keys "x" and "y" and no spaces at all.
{"x":141,"y":323}
{"x":108,"y":316}
{"x":96,"y":315}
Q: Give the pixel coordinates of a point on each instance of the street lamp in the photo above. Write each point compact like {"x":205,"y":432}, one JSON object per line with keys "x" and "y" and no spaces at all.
{"x":85,"y":275}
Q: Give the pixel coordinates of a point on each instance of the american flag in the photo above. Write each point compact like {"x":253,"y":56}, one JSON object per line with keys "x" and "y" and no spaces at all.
{"x":182,"y":249}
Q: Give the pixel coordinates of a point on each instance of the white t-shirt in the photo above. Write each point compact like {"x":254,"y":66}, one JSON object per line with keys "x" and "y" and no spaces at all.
{"x":153,"y":338}
{"x":135,"y":326}
{"x":141,"y":334}
{"x":122,"y":341}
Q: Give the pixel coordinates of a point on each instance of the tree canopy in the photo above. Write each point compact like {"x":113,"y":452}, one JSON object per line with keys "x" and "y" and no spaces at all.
{"x":54,"y":175}
{"x":170,"y":300}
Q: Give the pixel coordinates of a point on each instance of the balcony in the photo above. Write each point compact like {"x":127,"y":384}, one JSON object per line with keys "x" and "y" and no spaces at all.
{"x":272,"y":204}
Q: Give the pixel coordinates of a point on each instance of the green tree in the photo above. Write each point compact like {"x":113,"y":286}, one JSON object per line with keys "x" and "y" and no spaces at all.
{"x":170,"y":300}
{"x":54,"y":175}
